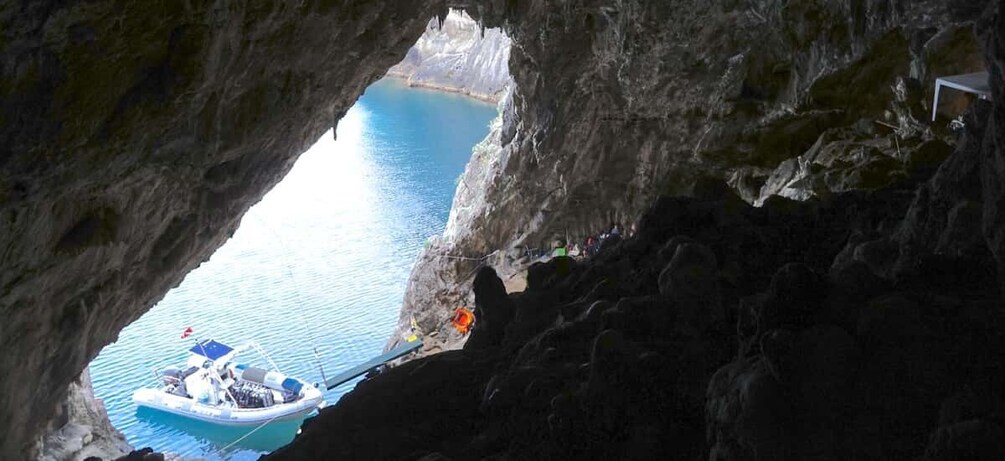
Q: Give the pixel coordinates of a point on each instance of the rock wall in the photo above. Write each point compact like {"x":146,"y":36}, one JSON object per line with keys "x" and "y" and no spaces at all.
{"x":440,"y":279}
{"x":133,"y":136}
{"x":651,"y":94}
{"x":457,"y":54}
{"x":81,"y":428}
{"x":853,"y":325}
{"x":617,"y":103}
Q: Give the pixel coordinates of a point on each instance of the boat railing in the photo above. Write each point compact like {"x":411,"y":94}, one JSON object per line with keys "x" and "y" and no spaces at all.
{"x":250,"y":345}
{"x":258,"y":348}
{"x":158,"y":382}
{"x":158,"y":377}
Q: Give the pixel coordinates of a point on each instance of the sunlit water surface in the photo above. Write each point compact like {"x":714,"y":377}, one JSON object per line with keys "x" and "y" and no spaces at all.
{"x":321,"y":261}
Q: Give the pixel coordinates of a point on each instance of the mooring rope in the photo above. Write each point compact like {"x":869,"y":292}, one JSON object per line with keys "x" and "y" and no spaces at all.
{"x":231,"y":444}
{"x":311,"y":334}
{"x":465,"y":258}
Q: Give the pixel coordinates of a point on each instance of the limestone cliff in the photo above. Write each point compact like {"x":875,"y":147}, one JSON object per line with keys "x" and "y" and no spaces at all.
{"x":618,"y":103}
{"x":457,"y":54}
{"x":439,"y":280}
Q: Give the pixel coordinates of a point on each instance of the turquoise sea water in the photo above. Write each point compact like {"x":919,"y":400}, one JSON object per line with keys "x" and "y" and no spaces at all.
{"x":321,"y":261}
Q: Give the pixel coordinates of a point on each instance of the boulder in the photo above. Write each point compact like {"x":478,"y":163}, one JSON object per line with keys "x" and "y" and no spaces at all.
{"x":748,"y":414}
{"x":493,"y":311}
{"x":793,"y":298}
{"x":974,"y":440}
{"x":690,"y":282}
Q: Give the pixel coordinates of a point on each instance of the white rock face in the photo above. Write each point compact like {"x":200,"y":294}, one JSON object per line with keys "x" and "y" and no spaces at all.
{"x":441,"y":277}
{"x":487,"y":162}
{"x":458,"y":55}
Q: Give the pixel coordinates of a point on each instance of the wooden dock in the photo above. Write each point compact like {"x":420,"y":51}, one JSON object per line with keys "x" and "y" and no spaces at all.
{"x":344,"y":376}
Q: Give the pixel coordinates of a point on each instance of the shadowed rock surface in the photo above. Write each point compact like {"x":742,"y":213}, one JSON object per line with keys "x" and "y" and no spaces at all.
{"x":751,"y":342}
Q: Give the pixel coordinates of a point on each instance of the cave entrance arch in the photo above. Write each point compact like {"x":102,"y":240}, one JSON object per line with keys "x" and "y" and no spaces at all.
{"x":319,"y":263}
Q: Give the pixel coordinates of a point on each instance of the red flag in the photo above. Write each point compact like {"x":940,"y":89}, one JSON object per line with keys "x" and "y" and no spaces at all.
{"x":186,"y":332}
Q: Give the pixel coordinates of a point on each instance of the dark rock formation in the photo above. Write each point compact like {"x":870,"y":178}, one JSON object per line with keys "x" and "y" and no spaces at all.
{"x":493,"y":309}
{"x":630,"y":370}
{"x":423,"y":414}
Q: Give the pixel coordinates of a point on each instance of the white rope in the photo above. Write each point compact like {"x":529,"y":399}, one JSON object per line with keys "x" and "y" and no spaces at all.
{"x":311,"y":335}
{"x":231,"y":444}
{"x":265,"y":355}
{"x":467,"y":258}
{"x":239,"y":439}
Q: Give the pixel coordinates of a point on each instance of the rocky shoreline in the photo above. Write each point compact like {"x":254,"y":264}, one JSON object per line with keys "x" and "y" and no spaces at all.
{"x":82,"y":431}
{"x":404,"y":78}
{"x":458,"y":55}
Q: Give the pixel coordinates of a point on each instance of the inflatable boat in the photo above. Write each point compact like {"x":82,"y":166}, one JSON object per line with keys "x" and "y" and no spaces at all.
{"x":215,"y":387}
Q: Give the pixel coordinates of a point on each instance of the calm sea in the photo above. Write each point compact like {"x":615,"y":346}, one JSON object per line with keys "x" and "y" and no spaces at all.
{"x":321,"y":261}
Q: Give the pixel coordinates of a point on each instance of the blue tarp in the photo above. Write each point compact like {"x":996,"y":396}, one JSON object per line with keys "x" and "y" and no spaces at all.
{"x":211,"y":349}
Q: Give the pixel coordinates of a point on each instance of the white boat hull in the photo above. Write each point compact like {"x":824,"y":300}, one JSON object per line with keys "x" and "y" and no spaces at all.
{"x":229,"y":416}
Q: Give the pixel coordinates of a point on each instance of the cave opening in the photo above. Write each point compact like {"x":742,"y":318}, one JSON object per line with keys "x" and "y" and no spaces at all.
{"x":317,"y":270}
{"x":321,"y":261}
{"x":727,"y":328}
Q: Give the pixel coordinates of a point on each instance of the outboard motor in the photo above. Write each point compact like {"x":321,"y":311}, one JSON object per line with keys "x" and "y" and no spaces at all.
{"x":171,"y":375}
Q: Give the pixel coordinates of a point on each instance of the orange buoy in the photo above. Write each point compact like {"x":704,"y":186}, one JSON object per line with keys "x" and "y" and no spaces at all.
{"x":462,"y":320}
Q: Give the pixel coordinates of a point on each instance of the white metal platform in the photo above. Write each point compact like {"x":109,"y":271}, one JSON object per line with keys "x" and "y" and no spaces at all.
{"x":375,"y":362}
{"x":975,"y":83}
